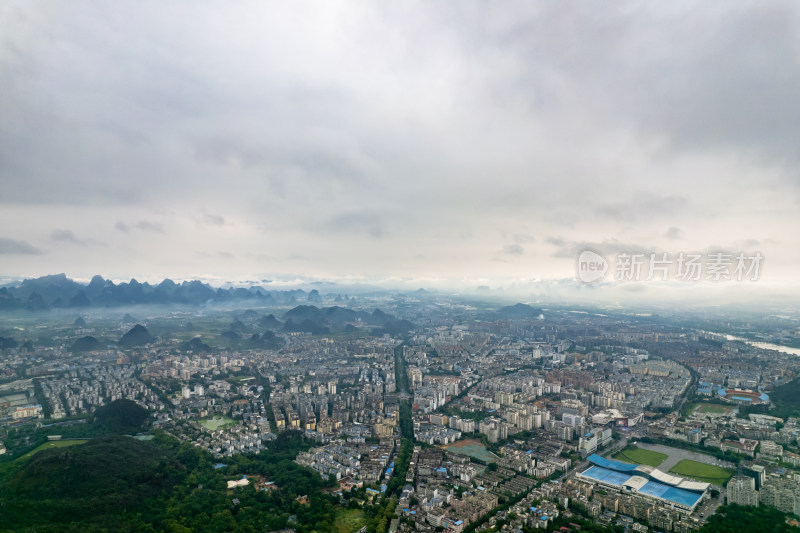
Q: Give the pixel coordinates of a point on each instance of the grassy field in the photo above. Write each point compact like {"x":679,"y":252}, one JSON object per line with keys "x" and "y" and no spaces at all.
{"x":50,"y":444}
{"x":473,"y":448}
{"x":348,"y":521}
{"x":702,"y":472}
{"x":698,"y":408}
{"x":640,"y":456}
{"x":712,"y":408}
{"x":212,"y":424}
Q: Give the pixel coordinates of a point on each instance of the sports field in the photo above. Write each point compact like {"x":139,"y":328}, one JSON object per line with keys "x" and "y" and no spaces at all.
{"x":50,"y":444}
{"x":212,"y":424}
{"x":702,"y":472}
{"x":711,"y":408}
{"x":640,"y":456}
{"x":473,"y":448}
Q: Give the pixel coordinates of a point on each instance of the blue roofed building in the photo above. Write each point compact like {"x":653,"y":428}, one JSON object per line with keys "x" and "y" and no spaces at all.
{"x":643,"y":480}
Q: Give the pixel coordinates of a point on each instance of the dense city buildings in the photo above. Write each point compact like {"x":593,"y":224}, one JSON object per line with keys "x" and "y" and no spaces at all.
{"x":467,"y":419}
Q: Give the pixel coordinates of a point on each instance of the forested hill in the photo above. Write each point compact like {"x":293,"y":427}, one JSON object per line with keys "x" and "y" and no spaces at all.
{"x":123,"y":484}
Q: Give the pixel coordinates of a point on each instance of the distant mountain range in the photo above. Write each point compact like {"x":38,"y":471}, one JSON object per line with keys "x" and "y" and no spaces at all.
{"x":249,"y":331}
{"x":59,"y":291}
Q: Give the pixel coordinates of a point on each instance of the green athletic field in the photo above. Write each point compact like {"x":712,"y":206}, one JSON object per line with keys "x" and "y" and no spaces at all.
{"x":702,"y":472}
{"x":640,"y":456}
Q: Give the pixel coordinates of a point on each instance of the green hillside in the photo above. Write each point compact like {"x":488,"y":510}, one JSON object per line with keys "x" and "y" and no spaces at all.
{"x":89,"y":483}
{"x":121,"y":416}
{"x":123,"y":484}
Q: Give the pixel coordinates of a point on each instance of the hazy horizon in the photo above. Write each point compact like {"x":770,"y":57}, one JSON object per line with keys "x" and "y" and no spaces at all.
{"x":567,"y":292}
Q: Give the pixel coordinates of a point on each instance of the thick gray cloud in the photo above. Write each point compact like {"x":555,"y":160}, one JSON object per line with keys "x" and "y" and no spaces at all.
{"x":368,"y":135}
{"x":571,"y":249}
{"x":645,"y":207}
{"x":214,"y":220}
{"x":13,"y":246}
{"x":673,"y":233}
{"x":65,"y":235}
{"x":523,"y":238}
{"x":368,"y":223}
{"x":144,"y":225}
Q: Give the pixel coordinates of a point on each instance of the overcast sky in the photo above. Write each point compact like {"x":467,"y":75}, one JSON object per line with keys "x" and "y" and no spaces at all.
{"x":456,"y":143}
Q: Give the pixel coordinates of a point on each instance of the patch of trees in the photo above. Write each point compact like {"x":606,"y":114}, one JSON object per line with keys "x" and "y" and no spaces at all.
{"x":400,"y":373}
{"x":736,"y":518}
{"x":380,"y":516}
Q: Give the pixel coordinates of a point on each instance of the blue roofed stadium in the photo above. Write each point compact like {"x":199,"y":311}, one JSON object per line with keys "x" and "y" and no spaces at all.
{"x":743,"y":396}
{"x":645,"y":481}
{"x":606,"y":476}
{"x":612,"y":464}
{"x":665,"y":492}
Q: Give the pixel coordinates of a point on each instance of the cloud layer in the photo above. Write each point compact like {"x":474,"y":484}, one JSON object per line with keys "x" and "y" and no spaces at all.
{"x":460,"y":141}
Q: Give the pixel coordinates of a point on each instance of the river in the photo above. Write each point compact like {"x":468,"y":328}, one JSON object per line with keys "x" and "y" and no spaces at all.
{"x":766,"y":345}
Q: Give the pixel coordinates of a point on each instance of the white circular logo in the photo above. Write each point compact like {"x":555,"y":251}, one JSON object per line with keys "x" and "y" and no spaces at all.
{"x":591,"y":266}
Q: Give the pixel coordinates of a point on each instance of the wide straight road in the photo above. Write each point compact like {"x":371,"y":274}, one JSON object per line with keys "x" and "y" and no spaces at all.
{"x":401,"y":372}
